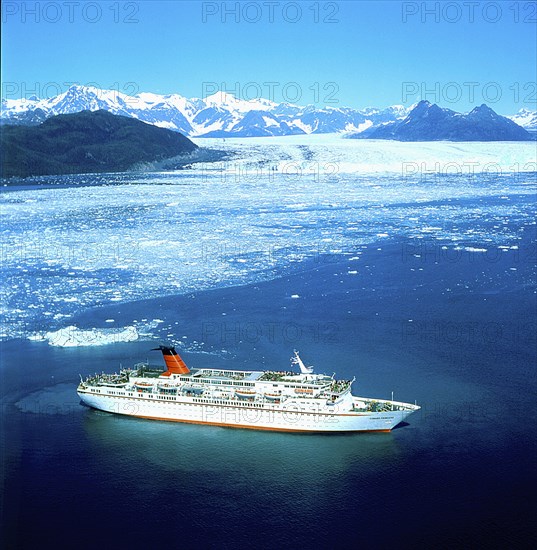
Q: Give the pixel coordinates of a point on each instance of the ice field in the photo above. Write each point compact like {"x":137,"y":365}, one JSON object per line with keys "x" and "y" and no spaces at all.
{"x":75,"y":242}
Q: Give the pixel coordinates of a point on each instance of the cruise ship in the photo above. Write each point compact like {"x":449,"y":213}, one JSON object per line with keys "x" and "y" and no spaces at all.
{"x":287,"y":401}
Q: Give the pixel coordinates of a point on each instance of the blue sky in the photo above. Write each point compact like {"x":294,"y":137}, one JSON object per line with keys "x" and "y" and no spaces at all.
{"x":354,"y":54}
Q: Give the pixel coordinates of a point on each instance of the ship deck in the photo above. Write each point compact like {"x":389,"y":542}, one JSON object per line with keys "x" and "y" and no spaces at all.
{"x":146,"y":370}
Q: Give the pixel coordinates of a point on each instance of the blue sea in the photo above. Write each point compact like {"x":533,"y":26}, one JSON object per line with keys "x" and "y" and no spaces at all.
{"x":424,"y":287}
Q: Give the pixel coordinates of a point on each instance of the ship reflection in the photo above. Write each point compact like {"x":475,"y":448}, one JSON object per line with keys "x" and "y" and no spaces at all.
{"x":187,"y":448}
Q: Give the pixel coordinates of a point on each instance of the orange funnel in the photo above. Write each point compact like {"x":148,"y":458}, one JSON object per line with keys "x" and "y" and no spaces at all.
{"x":174,"y":363}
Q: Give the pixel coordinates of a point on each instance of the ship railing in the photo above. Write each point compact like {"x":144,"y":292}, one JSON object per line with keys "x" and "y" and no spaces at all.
{"x":384,"y":405}
{"x":100,"y":379}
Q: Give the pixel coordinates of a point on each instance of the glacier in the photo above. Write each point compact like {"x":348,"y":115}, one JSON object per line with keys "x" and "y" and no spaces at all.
{"x":72,"y":243}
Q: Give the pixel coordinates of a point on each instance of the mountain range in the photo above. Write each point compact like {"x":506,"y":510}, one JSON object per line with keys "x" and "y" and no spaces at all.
{"x":218,"y":115}
{"x":429,"y":122}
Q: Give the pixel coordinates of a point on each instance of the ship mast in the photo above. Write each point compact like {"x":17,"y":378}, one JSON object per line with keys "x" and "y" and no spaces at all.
{"x":296,"y":360}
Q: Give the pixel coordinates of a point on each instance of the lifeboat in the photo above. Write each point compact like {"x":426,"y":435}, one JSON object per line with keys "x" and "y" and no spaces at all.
{"x":167,"y":388}
{"x":192,"y":389}
{"x":273,"y":396}
{"x":245,"y":394}
{"x":112,"y":384}
{"x":143,"y":386}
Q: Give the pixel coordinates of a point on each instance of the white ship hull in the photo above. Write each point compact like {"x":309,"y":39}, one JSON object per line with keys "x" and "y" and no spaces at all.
{"x":261,"y":400}
{"x":289,"y":417}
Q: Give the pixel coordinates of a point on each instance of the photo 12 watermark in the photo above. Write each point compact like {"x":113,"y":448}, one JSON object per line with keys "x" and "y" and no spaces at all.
{"x":71,"y":12}
{"x":447,"y":333}
{"x":271,"y":332}
{"x":469,"y":12}
{"x":325,"y":93}
{"x":290,"y":172}
{"x":271,"y":12}
{"x":68,"y":253}
{"x":436,"y":172}
{"x":471,"y":92}
{"x":36,"y":90}
{"x":215,"y":252}
{"x":443,"y":412}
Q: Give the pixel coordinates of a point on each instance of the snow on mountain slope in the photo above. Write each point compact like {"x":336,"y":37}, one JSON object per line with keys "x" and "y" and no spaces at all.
{"x":230,"y":102}
{"x":525,"y":118}
{"x":429,"y":122}
{"x":218,"y":115}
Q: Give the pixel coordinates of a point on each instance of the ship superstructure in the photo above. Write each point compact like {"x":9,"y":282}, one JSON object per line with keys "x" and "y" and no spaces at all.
{"x":264,"y":400}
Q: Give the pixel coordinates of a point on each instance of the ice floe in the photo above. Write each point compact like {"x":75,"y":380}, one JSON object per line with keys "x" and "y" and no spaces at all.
{"x":73,"y":336}
{"x":104,"y":239}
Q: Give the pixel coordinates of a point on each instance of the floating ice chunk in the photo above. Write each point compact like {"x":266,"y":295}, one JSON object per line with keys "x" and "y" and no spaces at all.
{"x":72,"y":336}
{"x":473,"y":249}
{"x":430,"y":229}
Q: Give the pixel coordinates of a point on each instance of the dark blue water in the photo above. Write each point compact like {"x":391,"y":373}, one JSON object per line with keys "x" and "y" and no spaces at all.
{"x":453,"y":330}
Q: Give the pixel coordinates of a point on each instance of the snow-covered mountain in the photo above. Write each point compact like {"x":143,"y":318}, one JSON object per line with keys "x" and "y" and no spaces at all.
{"x":218,"y":115}
{"x":526,"y":118}
{"x":429,"y":122}
{"x":168,"y":111}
